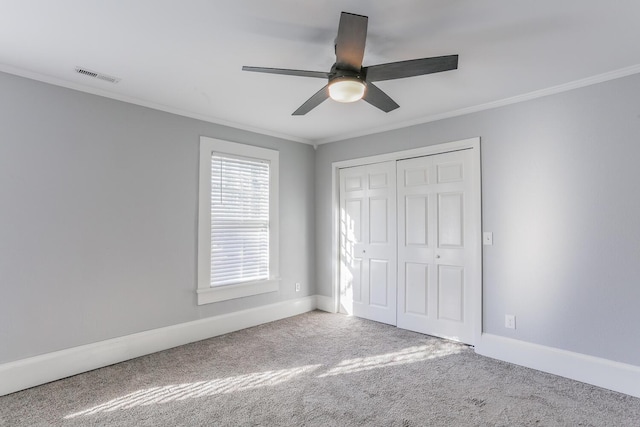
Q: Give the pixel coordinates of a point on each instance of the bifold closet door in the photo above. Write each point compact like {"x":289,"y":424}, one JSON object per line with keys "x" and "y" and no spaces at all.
{"x":436,"y":237}
{"x":368,"y":241}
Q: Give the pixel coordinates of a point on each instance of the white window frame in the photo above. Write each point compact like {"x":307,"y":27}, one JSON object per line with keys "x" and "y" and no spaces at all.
{"x":206,"y":293}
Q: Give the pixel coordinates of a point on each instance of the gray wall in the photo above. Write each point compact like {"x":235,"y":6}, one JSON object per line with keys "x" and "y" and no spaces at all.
{"x":98,"y":202}
{"x":560,"y":188}
{"x":98,"y":218}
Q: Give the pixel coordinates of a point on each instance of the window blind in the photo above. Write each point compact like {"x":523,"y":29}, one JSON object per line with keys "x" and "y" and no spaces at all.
{"x":239,"y":220}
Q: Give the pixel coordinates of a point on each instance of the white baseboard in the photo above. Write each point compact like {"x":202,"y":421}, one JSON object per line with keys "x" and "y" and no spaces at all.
{"x":325,"y":304}
{"x":616,"y":376}
{"x":33,"y":371}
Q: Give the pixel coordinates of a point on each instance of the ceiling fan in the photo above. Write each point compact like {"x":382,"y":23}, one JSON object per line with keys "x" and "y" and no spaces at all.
{"x":349,"y":81}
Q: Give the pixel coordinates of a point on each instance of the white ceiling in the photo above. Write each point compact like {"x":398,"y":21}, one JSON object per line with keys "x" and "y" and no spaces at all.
{"x":186,"y":56}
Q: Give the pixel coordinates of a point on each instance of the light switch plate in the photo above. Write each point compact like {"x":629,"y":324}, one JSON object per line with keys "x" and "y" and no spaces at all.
{"x":487,"y":238}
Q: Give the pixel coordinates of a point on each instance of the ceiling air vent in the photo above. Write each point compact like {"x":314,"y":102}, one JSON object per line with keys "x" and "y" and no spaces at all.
{"x":96,"y":75}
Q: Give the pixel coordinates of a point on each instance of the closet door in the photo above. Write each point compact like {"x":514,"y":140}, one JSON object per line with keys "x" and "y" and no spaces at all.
{"x":437,"y":238}
{"x":368,"y":241}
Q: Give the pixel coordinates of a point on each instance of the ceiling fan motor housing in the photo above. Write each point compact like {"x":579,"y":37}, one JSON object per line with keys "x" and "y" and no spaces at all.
{"x":344,"y":74}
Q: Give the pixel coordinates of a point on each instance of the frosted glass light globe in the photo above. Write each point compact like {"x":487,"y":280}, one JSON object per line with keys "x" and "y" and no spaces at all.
{"x":346,"y":90}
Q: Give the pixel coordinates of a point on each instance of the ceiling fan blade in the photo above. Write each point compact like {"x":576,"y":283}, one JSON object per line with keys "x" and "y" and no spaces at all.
{"x":313,"y":102}
{"x":352,"y":36}
{"x":413,"y":67}
{"x":301,"y":73}
{"x":376,"y":97}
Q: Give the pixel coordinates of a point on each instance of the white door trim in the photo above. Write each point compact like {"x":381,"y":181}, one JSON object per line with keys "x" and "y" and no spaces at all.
{"x":473,"y":143}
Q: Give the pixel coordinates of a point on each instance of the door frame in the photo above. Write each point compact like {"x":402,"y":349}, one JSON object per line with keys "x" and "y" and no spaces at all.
{"x":470,"y":143}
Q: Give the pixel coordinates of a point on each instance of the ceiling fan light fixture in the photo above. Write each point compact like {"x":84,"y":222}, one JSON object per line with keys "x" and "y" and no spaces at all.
{"x":346,"y":89}
{"x":349,"y":81}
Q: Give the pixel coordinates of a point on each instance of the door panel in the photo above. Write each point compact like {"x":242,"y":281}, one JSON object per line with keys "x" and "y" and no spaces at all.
{"x":379,"y":220}
{"x":378,"y":180}
{"x":450,"y":172}
{"x":450,"y":293}
{"x":355,"y":279}
{"x":416,"y":176}
{"x":353,"y":220}
{"x":379,"y":269}
{"x":353,"y":183}
{"x":416,"y":220}
{"x":368,"y":241}
{"x":436,"y":241}
{"x":450,"y":220}
{"x":416,"y":284}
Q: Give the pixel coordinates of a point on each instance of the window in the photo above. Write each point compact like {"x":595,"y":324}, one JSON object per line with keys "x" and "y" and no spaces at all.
{"x":237,"y":222}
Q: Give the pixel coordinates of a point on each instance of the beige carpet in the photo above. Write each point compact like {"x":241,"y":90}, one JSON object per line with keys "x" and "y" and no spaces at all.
{"x":318,"y":369}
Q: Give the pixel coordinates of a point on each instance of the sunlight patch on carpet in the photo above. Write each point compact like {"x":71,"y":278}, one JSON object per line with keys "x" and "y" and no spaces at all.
{"x":402,"y":357}
{"x":177,"y":392}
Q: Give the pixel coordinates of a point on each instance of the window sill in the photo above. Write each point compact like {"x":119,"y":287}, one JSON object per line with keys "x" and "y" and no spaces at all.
{"x":224,"y":293}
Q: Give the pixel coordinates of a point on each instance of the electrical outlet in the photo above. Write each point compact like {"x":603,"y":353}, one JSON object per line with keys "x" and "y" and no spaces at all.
{"x":297,"y":287}
{"x":509,"y":321}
